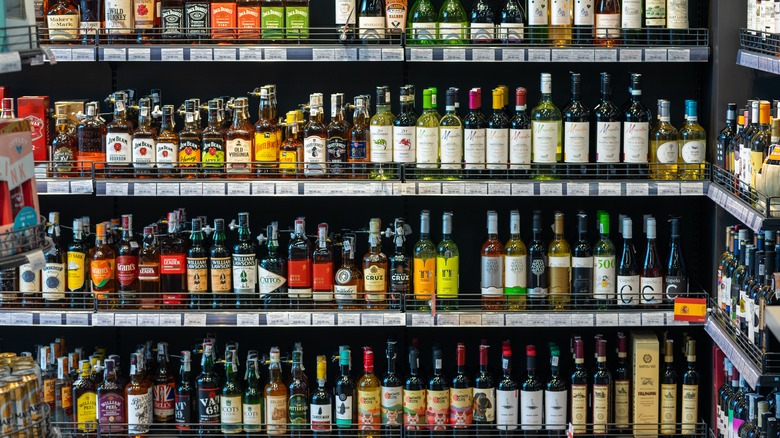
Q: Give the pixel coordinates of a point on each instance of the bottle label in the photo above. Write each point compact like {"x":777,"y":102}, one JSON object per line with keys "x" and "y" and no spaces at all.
{"x":583,"y":13}
{"x":220,"y":275}
{"x":582,"y":275}
{"x":404,"y":144}
{"x":118,"y":147}
{"x":414,"y":409}
{"x":197,"y":275}
{"x":167,"y":154}
{"x":244,"y":273}
{"x":668,"y":408}
{"x":392,"y":405}
{"x":492,"y":276}
{"x":196,"y":16}
{"x":29,"y":280}
{"x":485,"y":405}
{"x":213,"y":153}
{"x":358,"y":150}
{"x":622,"y":407}
{"x":576,"y":141}
{"x":555,"y":409}
{"x":600,"y":408}
{"x":371,"y":28}
{"x":608,"y":142}
{"x":164,"y":400}
{"x":288,"y":159}
{"x":482,"y":31}
{"x":452,"y":31}
{"x":126,"y":269}
{"x":345,"y":292}
{"x":111,"y":409}
{"x":248,"y":17}
{"x":545,"y":141}
{"x":651,"y":288}
{"x":144,"y":152}
{"x":322,"y":281}
{"x":63,"y":27}
{"x":427,"y":146}
{"x":381,"y":150}
{"x":149,"y":272}
{"x":368,"y":409}
{"x":507,"y":409}
{"x":667,"y":152}
{"x":344,"y":404}
{"x":208,"y":405}
{"x":237,"y":154}
{"x":399,"y":276}
{"x":269,"y":281}
{"x":677,"y":15}
{"x":86,"y":412}
{"x":76,"y":270}
{"x":424,"y":280}
{"x":345,"y":12}
{"x":375,"y":283}
{"x":635,"y":142}
{"x":628,"y":290}
{"x":515,"y":275}
{"x":337,"y":153}
{"x":189,"y":153}
{"x":252,"y":416}
{"x":474,"y":148}
{"x":223,"y":16}
{"x":511,"y":32}
{"x":560,"y":13}
{"x":690,"y":408}
{"x":461,"y":406}
{"x":537,"y":13}
{"x":537,"y":277}
{"x":299,"y":409}
{"x":560,"y":274}
{"x":101,"y":272}
{"x":172,"y":20}
{"x":275,"y":414}
{"x":139,"y":413}
{"x":655,"y":13}
{"x":693,"y":152}
{"x":314,"y":154}
{"x":447,"y":277}
{"x":299,"y":273}
{"x":451,"y":144}
{"x":631,"y":14}
{"x":520,"y":148}
{"x":604,"y":278}
{"x":497,"y":148}
{"x":173,"y":264}
{"x":579,"y":407}
{"x":424,"y":31}
{"x":183,"y":409}
{"x":53,"y":284}
{"x":531,"y":409}
{"x":48,"y":390}
{"x":118,"y":16}
{"x":66,"y":396}
{"x":320,"y":416}
{"x":607,"y":25}
{"x":438,"y":404}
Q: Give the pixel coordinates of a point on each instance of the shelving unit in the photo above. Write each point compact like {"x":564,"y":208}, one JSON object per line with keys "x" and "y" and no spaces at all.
{"x":759,"y":51}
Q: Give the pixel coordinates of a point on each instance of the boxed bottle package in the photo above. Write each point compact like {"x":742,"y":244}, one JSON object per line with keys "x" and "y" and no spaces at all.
{"x":646,"y":367}
{"x":36,"y":110}
{"x":18,"y":194}
{"x":74,"y":108}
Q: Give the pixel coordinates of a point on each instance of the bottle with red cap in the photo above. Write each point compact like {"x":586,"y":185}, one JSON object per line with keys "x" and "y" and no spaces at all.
{"x":579,"y":389}
{"x":507,"y":394}
{"x":368,"y":391}
{"x":474,"y":138}
{"x":484,"y":390}
{"x":531,"y":394}
{"x":461,"y":393}
{"x":438,"y":397}
{"x":520,"y":134}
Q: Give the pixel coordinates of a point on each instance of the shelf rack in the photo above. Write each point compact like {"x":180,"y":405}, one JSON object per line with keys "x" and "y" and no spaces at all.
{"x":759,"y":51}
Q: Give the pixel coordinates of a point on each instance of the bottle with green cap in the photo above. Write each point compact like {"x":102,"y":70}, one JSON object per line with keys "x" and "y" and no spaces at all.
{"x":555,"y":394}
{"x":346,"y":414}
{"x":603,"y":265}
{"x":427,"y":135}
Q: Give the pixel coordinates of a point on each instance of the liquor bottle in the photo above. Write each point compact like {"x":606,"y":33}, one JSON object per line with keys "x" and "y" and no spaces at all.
{"x":651,"y":280}
{"x":359,"y":138}
{"x":238,"y":144}
{"x":272,"y":272}
{"x":423,"y":265}
{"x":189,"y":156}
{"x":252,"y":398}
{"x":677,"y":20}
{"x":381,"y":134}
{"x":555,"y":394}
{"x":655,"y":20}
{"x":275,"y":397}
{"x":185,"y":396}
{"x":602,"y":381}
{"x":427,"y":133}
{"x":102,"y":266}
{"x":447,"y":267}
{"x":607,"y":22}
{"x":437,"y":396}
{"x":668,"y":391}
{"x":117,"y":20}
{"x":62,"y":21}
{"x":91,"y":138}
{"x":139,"y":400}
{"x":167,"y":144}
{"x":484,"y":392}
{"x":538,"y":21}
{"x":298,"y":388}
{"x":584,"y":22}
{"x":414,"y":397}
{"x":461,"y":393}
{"x":722,"y":397}
{"x":546,"y":132}
{"x":322,"y":270}
{"x":110,"y":401}
{"x":576,"y":131}
{"x":497,"y":143}
{"x":693,"y":145}
{"x":537,"y":258}
{"x":751,"y":124}
{"x":636,"y":130}
{"x":127,"y":268}
{"x":173,"y":264}
{"x":63,"y":391}
{"x":144,"y":143}
{"x":628,"y":279}
{"x":346,"y":412}
{"x":664,"y":146}
{"x":559,"y":263}
{"x":349,"y":278}
{"x":421,"y":23}
{"x":631,"y":13}
{"x":510,"y":30}
{"x":400,"y":283}
{"x":724,"y":154}
{"x":197,"y":267}
{"x":763,"y":297}
{"x":196,"y":18}
{"x":474,"y":133}
{"x":507,"y":394}
{"x":64,"y":146}
{"x":737,"y":272}
{"x":452,"y":25}
{"x":690,"y":392}
{"x":371,"y":21}
{"x":345,"y":19}
{"x":53,"y":282}
{"x":220,"y":266}
{"x":315,"y":136}
{"x":531,"y":395}
{"x":520,"y":134}
{"x":451,"y":137}
{"x":172,"y":19}
{"x":244,"y":261}
{"x":561,"y":22}
{"x":272,"y":21}
{"x":492,"y":266}
{"x":482,"y":24}
{"x":515,"y":266}
{"x":404,"y":140}
{"x":291,"y":150}
{"x":85,"y":401}
{"x":164,"y":388}
{"x":760,"y":144}
{"x":48,"y":375}
{"x":368,"y":397}
{"x":118,"y":134}
{"x":738,"y":392}
{"x":579,"y":390}
{"x":338,"y":136}
{"x":213,"y":143}
{"x":375,"y":269}
{"x":321,"y":400}
{"x":391,"y":405}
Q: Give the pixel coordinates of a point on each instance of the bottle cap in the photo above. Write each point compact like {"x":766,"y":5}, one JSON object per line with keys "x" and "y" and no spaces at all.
{"x":520,"y":97}
{"x":475,"y":100}
{"x":498,"y":98}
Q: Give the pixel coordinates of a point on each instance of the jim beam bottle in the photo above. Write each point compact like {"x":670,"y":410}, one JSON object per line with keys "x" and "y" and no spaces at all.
{"x":119,"y":135}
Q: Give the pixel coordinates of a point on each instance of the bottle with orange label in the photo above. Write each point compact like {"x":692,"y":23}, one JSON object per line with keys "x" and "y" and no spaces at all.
{"x":322,"y":270}
{"x":63,"y":392}
{"x":248,"y":19}
{"x":102,"y":268}
{"x":223,"y":19}
{"x":368,"y":390}
{"x":127,"y":264}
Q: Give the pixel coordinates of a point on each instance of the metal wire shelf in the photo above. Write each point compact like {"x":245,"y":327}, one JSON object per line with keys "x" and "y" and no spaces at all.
{"x":767,"y":363}
{"x":17,"y":246}
{"x":760,"y":42}
{"x":767,"y":206}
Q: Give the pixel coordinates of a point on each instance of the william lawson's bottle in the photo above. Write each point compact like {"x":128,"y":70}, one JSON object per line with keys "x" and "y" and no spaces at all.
{"x":220,"y":269}
{"x":197,"y":267}
{"x":531,"y":395}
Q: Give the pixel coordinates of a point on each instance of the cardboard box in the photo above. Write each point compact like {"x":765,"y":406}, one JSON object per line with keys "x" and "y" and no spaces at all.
{"x":36,"y":110}
{"x":645,"y":384}
{"x":18,"y":193}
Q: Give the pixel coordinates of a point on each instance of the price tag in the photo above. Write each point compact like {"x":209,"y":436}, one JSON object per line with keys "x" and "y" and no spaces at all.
{"x":256,"y":54}
{"x":653,"y":319}
{"x":493,"y":319}
{"x":560,"y":320}
{"x":606,"y":55}
{"x":655,"y":55}
{"x":561,"y":55}
{"x":447,"y":320}
{"x":422,"y":55}
{"x":451,"y":189}
{"x":315,"y":188}
{"x":475,"y":189}
{"x":84,"y":55}
{"x":238,"y":189}
{"x":429,"y":188}
{"x":395,"y":319}
{"x":287,"y":188}
{"x":22,"y":319}
{"x":277,"y":318}
{"x":50,"y":319}
{"x":483,"y":55}
{"x":191,"y":189}
{"x":110,"y":54}
{"x":577,"y":189}
{"x":194,"y":319}
{"x":201,"y":54}
{"x":609,"y":189}
{"x":668,"y":189}
{"x":144,"y":189}
{"x":349,"y":319}
{"x":213,"y":189}
{"x":323,"y":55}
{"x":126,"y":319}
{"x":637,"y":189}
{"x":629,"y":319}
{"x":394,"y":54}
{"x":345,"y":54}
{"x":77,"y":319}
{"x":422,"y":320}
{"x":299,"y":318}
{"x":5,"y":319}
{"x":583,"y":55}
{"x":630,"y":55}
{"x":679,"y":55}
{"x":404,"y":189}
{"x":103,"y":320}
{"x":522,"y":189}
{"x":539,"y":55}
{"x":606,"y":319}
{"x":116,"y":189}
{"x":582,"y":320}
{"x":536,"y":320}
{"x":170,"y":320}
{"x":370,"y":54}
{"x":247,"y":319}
{"x":692,"y":189}
{"x":168,"y":189}
{"x":81,"y":186}
{"x":148,"y":319}
{"x":323,"y":319}
{"x":513,"y":55}
{"x":470,"y":320}
{"x":372,"y":319}
{"x":551,"y":189}
{"x":36,"y":260}
{"x":224,"y":54}
{"x":60,"y":55}
{"x":144,"y":55}
{"x":169,"y":54}
{"x":58,"y":187}
{"x":454,"y":54}
{"x":499,"y":189}
{"x":263,"y":188}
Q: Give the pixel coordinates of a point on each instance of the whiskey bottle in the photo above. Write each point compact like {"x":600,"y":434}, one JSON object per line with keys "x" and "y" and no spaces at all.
{"x":272,"y":272}
{"x":291,"y":150}
{"x":266,"y":142}
{"x":349,"y":278}
{"x":85,"y":399}
{"x":118,"y":140}
{"x":484,"y":392}
{"x":537,"y":274}
{"x":77,"y":275}
{"x":275,"y":397}
{"x":231,"y":410}
{"x":555,"y":394}
{"x":622,"y":377}
{"x":102,"y":267}
{"x":196,"y":18}
{"x":437,"y":396}
{"x":127,"y":269}
{"x":414,"y":397}
{"x":110,"y":402}
{"x":447,"y":267}
{"x":64,"y":146}
{"x":602,"y":381}
{"x":375,"y":265}
{"x":322,"y":270}
{"x":164,"y":388}
{"x":423,"y":266}
{"x":492,"y":271}
{"x":381,"y":137}
{"x":53,"y":283}
{"x":190,"y":140}
{"x":690,"y":392}
{"x":185,"y":397}
{"x":213,"y":144}
{"x":399,"y":266}
{"x":139,"y":399}
{"x":91,"y":136}
{"x":238,"y":144}
{"x":248,"y":19}
{"x":144,"y":141}
{"x":244,"y":261}
{"x":579,"y":390}
{"x":149,"y":271}
{"x":62,"y":20}
{"x":314,"y":139}
{"x":531,"y":395}
{"x":220,"y":268}
{"x":167,"y":144}
{"x":338,"y":136}
{"x":172,"y":19}
{"x":321,"y":401}
{"x":358,"y":153}
{"x":461,"y":411}
{"x":668,"y":391}
{"x":391,"y":394}
{"x":252,"y":400}
{"x":48,"y":377}
{"x":404,"y":139}
{"x":298,"y":388}
{"x":507,"y":394}
{"x":299,"y":267}
{"x":63,"y":388}
{"x":208,"y":393}
{"x":173,"y":265}
{"x":368,"y":397}
{"x":197,"y":267}
{"x":346,"y":411}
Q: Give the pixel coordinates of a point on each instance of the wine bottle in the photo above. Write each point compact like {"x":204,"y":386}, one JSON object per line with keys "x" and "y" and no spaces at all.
{"x":492,"y":266}
{"x":346,"y":17}
{"x":520,"y":135}
{"x":538,"y":21}
{"x":452,"y":25}
{"x":546,"y":132}
{"x":484,"y":392}
{"x":555,"y":395}
{"x":576,"y":132}
{"x":531,"y":395}
{"x":512,"y":22}
{"x":371,"y":21}
{"x":582,"y":265}
{"x":451,"y":138}
{"x":404,"y":141}
{"x":608,"y":130}
{"x":369,"y":398}
{"x":724,"y":152}
{"x":474,"y":134}
{"x":664,"y":145}
{"x":677,"y":20}
{"x":631,"y":20}
{"x":560,"y":22}
{"x":760,"y":146}
{"x":655,"y":20}
{"x":628,"y":272}
{"x":537,"y":258}
{"x":421,"y":23}
{"x":690,"y":392}
{"x":427,"y":133}
{"x":636,"y":131}
{"x":482,"y":26}
{"x":438,"y":396}
{"x":381,"y":146}
{"x":584,"y":22}
{"x":602,"y":381}
{"x":391,"y":406}
{"x":461,"y":393}
{"x":424,"y":265}
{"x":651,"y":279}
{"x":607,"y":22}
{"x":579,"y":390}
{"x":507,"y":394}
{"x":676,"y":279}
{"x":559,"y":263}
{"x":693,"y":145}
{"x":668,"y":391}
{"x":515,"y":266}
{"x":622,"y":397}
{"x":497,"y":143}
{"x":414,"y":396}
{"x":447,"y":267}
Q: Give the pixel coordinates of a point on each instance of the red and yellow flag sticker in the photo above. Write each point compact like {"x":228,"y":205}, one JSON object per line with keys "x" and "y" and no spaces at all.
{"x":690,"y":309}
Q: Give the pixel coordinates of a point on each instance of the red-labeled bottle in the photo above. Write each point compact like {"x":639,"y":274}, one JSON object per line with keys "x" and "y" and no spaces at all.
{"x":127,"y":265}
{"x":173,"y":266}
{"x":322,"y":270}
{"x":299,"y":267}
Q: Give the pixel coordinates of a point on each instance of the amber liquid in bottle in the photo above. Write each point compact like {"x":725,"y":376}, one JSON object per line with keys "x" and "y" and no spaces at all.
{"x":173,"y":273}
{"x":102,"y":270}
{"x":91,"y":135}
{"x":149,"y":271}
{"x":266,"y":144}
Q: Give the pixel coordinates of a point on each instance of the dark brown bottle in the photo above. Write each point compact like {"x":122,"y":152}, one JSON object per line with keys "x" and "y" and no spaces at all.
{"x":164,"y":387}
{"x":173,"y":271}
{"x":127,"y":265}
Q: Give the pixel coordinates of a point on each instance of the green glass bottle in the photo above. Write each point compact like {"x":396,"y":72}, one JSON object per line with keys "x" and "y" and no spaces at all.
{"x":693,"y":144}
{"x":421,"y":24}
{"x":447,"y":267}
{"x":427,"y":135}
{"x":604,"y":265}
{"x":231,"y":411}
{"x":252,"y":401}
{"x":453,"y":21}
{"x":381,"y":146}
{"x":299,"y":393}
{"x":546,"y":132}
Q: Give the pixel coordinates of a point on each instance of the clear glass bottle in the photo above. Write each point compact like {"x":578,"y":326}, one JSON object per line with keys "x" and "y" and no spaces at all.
{"x":546,"y":132}
{"x":492,"y":266}
{"x":628,"y":282}
{"x":604,"y":268}
{"x":559,"y":263}
{"x":693,"y":144}
{"x":515,"y":266}
{"x":451,"y":138}
{"x":315,"y":136}
{"x":427,"y":135}
{"x":375,"y":269}
{"x":381,"y":135}
{"x":664,"y":145}
{"x":651,"y":280}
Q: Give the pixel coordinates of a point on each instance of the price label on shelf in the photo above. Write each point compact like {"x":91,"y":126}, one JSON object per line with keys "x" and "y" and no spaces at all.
{"x":393,"y":54}
{"x":238,"y":189}
{"x":263,"y":188}
{"x":201,"y":54}
{"x":515,"y":320}
{"x":60,"y":55}
{"x":247,"y":319}
{"x":577,"y":189}
{"x":372,"y":319}
{"x":148,"y":319}
{"x":609,"y":189}
{"x":5,"y":319}
{"x":606,"y":55}
{"x":470,"y":320}
{"x":454,"y":54}
{"x":224,"y":54}
{"x":144,"y":189}
{"x":191,"y":189}
{"x":493,"y":319}
{"x":395,"y":319}
{"x":475,"y":189}
{"x":522,"y":189}
{"x":58,"y":187}
{"x":550,"y":189}
{"x":143,"y":55}
{"x":655,"y":55}
{"x":323,"y":319}
{"x":447,"y":320}
{"x":83,"y":55}
{"x":287,"y":188}
{"x":451,"y":189}
{"x":50,"y":319}
{"x":169,"y":54}
{"x":582,"y":320}
{"x":168,"y":189}
{"x":583,"y":55}
{"x":112,"y":54}
{"x":539,"y":55}
{"x":607,"y":320}
{"x":194,"y":319}
{"x":256,"y":54}
{"x":513,"y":55}
{"x":77,"y":319}
{"x":630,"y":55}
{"x":299,"y":318}
{"x":637,"y":189}
{"x":116,"y":189}
{"x":370,"y":54}
{"x":629,"y":319}
{"x":277,"y":318}
{"x":349,"y":319}
{"x":126,"y":320}
{"x":668,"y":189}
{"x":213,"y":189}
{"x":103,"y":319}
{"x":421,"y":54}
{"x":323,"y":54}
{"x":422,"y":320}
{"x":81,"y":187}
{"x":170,"y":320}
{"x":679,"y":55}
{"x":561,"y":55}
{"x":429,"y":188}
{"x":483,"y":55}
{"x":499,"y":189}
{"x":22,"y":319}
{"x":692,"y":189}
{"x":653,"y":319}
{"x":560,"y":320}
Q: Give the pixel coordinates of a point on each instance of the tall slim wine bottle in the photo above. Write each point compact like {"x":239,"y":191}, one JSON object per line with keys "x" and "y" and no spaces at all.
{"x":546,"y":132}
{"x":693,"y":145}
{"x":497,"y":138}
{"x":560,"y":22}
{"x":371,"y":21}
{"x":512,"y":22}
{"x":414,"y":396}
{"x":438,"y":396}
{"x":421,"y":23}
{"x":447,"y":267}
{"x":507,"y":395}
{"x":424,"y":265}
{"x":676,"y":279}
{"x":559,"y":262}
{"x":427,"y":135}
{"x":555,"y":395}
{"x":668,"y":391}
{"x":622,"y":397}
{"x":492,"y":271}
{"x":391,"y":393}
{"x":453,"y":23}
{"x":482,"y":26}
{"x":690,"y":391}
{"x":655,"y":20}
{"x":537,"y":262}
{"x":608,"y":130}
{"x":636,"y":131}
{"x":531,"y":395}
{"x":461,"y":394}
{"x":381,"y":145}
{"x":451,"y":138}
{"x":651,"y":281}
{"x":404,"y":139}
{"x":520,"y":135}
{"x":515,"y":266}
{"x":664,"y":145}
{"x":538,"y":21}
{"x":484,"y":392}
{"x":474,"y":134}
{"x":582,"y":265}
{"x":576,"y":132}
{"x":607,"y":22}
{"x":724,"y":153}
{"x":602,"y":388}
{"x":584,"y":21}
{"x":579,"y":390}
{"x":628,"y":271}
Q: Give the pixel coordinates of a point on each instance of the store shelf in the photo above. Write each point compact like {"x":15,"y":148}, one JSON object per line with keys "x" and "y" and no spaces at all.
{"x":549,"y":319}
{"x":545,"y":54}
{"x":759,"y":51}
{"x":758,"y":61}
{"x":750,"y":207}
{"x":18,"y":47}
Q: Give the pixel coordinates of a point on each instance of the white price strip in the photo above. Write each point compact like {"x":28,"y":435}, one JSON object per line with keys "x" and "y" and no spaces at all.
{"x":637,"y":189}
{"x":454,"y":54}
{"x":323,"y":319}
{"x":522,"y":189}
{"x":560,"y":320}
{"x":201,"y":54}
{"x":500,"y":189}
{"x":653,"y":319}
{"x":238,"y":189}
{"x":247,"y":319}
{"x":692,"y":189}
{"x":213,"y":189}
{"x":263,"y":188}
{"x":422,"y":55}
{"x":77,"y":319}
{"x":22,"y":319}
{"x":144,"y":189}
{"x":422,"y":320}
{"x":513,"y":55}
{"x":103,"y":320}
{"x":582,"y":320}
{"x":668,"y":189}
{"x":372,"y":319}
{"x":395,"y":319}
{"x":493,"y":319}
{"x":114,"y":54}
{"x":82,"y":186}
{"x":170,"y":320}
{"x":224,"y":54}
{"x":561,"y":55}
{"x":429,"y":188}
{"x":583,"y":55}
{"x":515,"y":320}
{"x":255,"y":54}
{"x":277,"y":318}
{"x":296,"y":318}
{"x":536,"y":320}
{"x":630,"y":55}
{"x":58,"y":54}
{"x":172,"y":54}
{"x":393,"y":54}
{"x":85,"y":55}
{"x":5,"y":318}
{"x":139,"y":55}
{"x":349,"y":319}
{"x":191,"y":189}
{"x":168,"y":189}
{"x":447,"y":320}
{"x":126,"y":319}
{"x":404,"y":189}
{"x":323,"y":54}
{"x":470,"y":320}
{"x":539,"y":55}
{"x":483,"y":54}
{"x":58,"y":187}
{"x":370,"y":54}
{"x":606,"y":55}
{"x":630,"y":319}
{"x":287,"y":188}
{"x":345,"y":54}
{"x":679,"y":55}
{"x":148,"y":319}
{"x":194,"y":319}
{"x":116,"y":189}
{"x":475,"y":189}
{"x":609,"y":189}
{"x":551,"y":189}
{"x":577,"y":189}
{"x":655,"y":55}
{"x":451,"y":189}
{"x":607,"y":320}
{"x":50,"y":319}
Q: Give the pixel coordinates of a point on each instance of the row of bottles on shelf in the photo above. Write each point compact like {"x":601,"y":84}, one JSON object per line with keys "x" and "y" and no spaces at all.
{"x":87,"y":395}
{"x":763,"y":17}
{"x":181,"y":269}
{"x":742,"y":412}
{"x":557,"y":142}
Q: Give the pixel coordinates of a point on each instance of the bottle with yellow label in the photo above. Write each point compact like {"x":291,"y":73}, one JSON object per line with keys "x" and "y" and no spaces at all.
{"x":690,"y":391}
{"x":266,"y":144}
{"x":424,"y":266}
{"x":447,"y":265}
{"x":668,"y":391}
{"x":77,"y":267}
{"x":190,"y":141}
{"x":85,"y":400}
{"x":368,"y":389}
{"x":291,"y":151}
{"x":375,"y":269}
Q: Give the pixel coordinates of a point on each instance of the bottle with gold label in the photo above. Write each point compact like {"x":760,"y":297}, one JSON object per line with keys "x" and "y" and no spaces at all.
{"x":266,"y":144}
{"x":602,"y":381}
{"x":690,"y":391}
{"x":77,"y":262}
{"x":85,"y":401}
{"x":139,"y":399}
{"x":102,"y":269}
{"x":197,"y":267}
{"x":375,"y":266}
{"x":48,"y":375}
{"x":369,"y":398}
{"x":64,"y":146}
{"x":190,"y":141}
{"x":622,"y":377}
{"x":239,"y":142}
{"x":447,"y":267}
{"x":668,"y":391}
{"x":291,"y":150}
{"x":275,"y":397}
{"x":579,"y":389}
{"x":559,"y":263}
{"x":299,"y":393}
{"x":423,"y":266}
{"x":111,"y":401}
{"x":62,"y":19}
{"x":220,"y":267}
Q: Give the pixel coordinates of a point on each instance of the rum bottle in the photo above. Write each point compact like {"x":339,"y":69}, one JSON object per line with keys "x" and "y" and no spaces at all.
{"x":531,"y":395}
{"x":492,"y":283}
{"x":461,"y":393}
{"x":437,"y":396}
{"x":322,"y":270}
{"x":272,"y":272}
{"x":314,"y":139}
{"x":391,"y":396}
{"x":213,"y":144}
{"x":127,"y":268}
{"x":349,"y":278}
{"x":173,"y":265}
{"x":164,"y":388}
{"x":244,"y":260}
{"x":266,"y":141}
{"x":185,"y":399}
{"x":484,"y":392}
{"x":375,"y":267}
{"x":118,"y":140}
{"x":149,"y":271}
{"x":220,"y":267}
{"x":102,"y":268}
{"x":321,"y":401}
{"x":423,"y":266}
{"x":208,"y":393}
{"x":144,"y":141}
{"x":190,"y":141}
{"x":64,"y":146}
{"x":54,"y":281}
{"x":167,"y":144}
{"x":338,"y":136}
{"x":447,"y":267}
{"x":299,"y":267}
